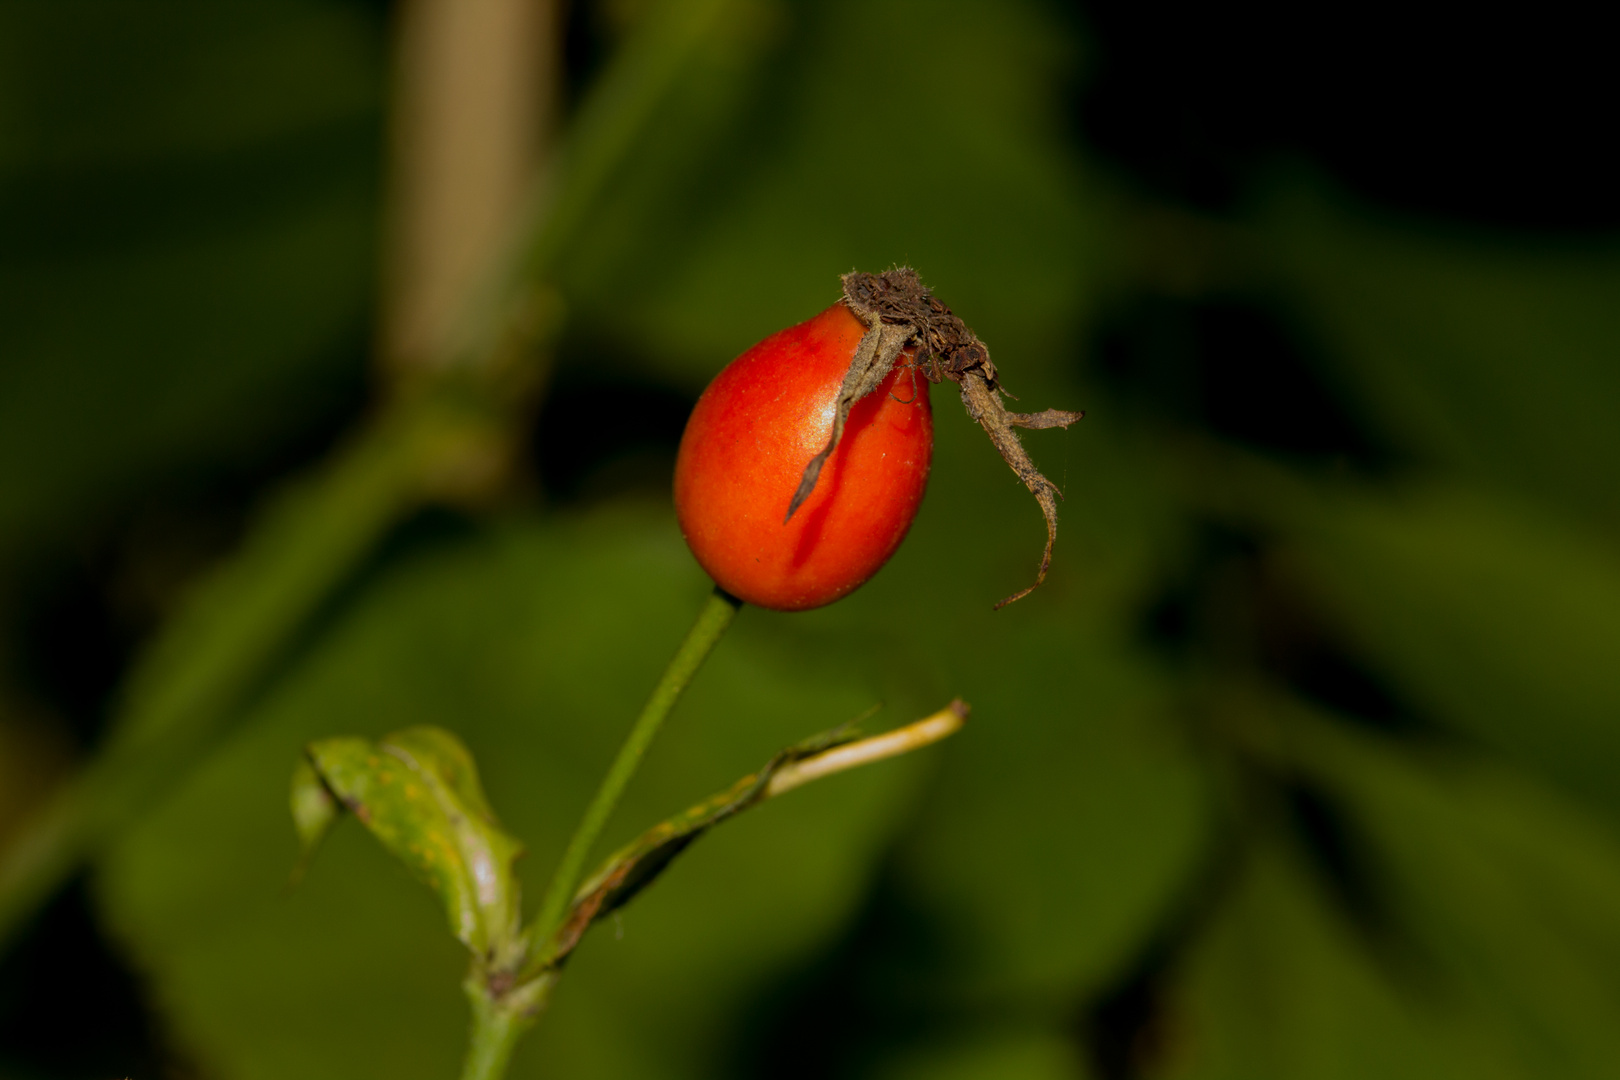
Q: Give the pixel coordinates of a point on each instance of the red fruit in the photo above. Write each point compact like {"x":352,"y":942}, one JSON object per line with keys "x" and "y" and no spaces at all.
{"x":745,"y":449}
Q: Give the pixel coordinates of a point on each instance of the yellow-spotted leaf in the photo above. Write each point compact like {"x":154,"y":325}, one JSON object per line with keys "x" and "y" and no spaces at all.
{"x":417,"y":791}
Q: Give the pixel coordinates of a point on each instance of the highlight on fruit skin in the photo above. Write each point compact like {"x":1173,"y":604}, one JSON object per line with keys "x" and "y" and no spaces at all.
{"x":744,"y":451}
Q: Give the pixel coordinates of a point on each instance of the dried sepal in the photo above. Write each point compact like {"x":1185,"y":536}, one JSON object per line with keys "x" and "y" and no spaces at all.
{"x":875,"y":355}
{"x":902,"y":316}
{"x":984,"y":405}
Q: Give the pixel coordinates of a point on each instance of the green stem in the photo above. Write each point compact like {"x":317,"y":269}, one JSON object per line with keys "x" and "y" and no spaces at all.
{"x":498,"y":1024}
{"x":495,"y":1035}
{"x":711,"y":624}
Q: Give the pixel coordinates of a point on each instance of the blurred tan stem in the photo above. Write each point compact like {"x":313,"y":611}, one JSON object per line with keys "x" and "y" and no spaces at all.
{"x":474,"y":102}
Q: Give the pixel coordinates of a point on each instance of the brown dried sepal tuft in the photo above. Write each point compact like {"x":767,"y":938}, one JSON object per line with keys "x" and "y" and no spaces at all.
{"x":902,"y":316}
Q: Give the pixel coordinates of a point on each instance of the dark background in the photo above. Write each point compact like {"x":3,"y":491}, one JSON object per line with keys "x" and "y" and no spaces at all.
{"x":1302,"y":764}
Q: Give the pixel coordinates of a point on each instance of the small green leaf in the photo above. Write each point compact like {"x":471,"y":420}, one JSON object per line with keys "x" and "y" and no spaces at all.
{"x":314,"y":810}
{"x":451,"y":761}
{"x":417,"y":791}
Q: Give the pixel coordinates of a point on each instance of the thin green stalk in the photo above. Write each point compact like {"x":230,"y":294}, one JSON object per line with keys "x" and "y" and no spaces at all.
{"x":498,"y":1024}
{"x":711,"y":624}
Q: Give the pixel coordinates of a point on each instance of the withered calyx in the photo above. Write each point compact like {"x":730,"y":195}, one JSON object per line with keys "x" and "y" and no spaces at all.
{"x":904,"y":319}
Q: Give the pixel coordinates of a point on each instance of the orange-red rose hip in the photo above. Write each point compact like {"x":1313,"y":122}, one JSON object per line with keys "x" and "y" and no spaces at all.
{"x":745,"y":449}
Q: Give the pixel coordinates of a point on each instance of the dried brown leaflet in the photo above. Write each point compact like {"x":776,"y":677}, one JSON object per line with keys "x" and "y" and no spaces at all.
{"x":902,"y":317}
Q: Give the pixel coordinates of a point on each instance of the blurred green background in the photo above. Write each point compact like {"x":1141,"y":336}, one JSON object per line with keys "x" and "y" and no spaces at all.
{"x":1304,"y":763}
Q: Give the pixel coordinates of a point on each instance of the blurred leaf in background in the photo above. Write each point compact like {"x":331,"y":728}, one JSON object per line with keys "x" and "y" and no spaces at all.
{"x":1299,"y":765}
{"x":188,"y":195}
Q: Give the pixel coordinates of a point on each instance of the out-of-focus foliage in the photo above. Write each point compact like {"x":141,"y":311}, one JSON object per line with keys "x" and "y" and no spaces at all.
{"x":189,"y":203}
{"x":1301,"y":765}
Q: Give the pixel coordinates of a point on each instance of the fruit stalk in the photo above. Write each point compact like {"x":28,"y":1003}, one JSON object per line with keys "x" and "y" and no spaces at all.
{"x":711,"y":624}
